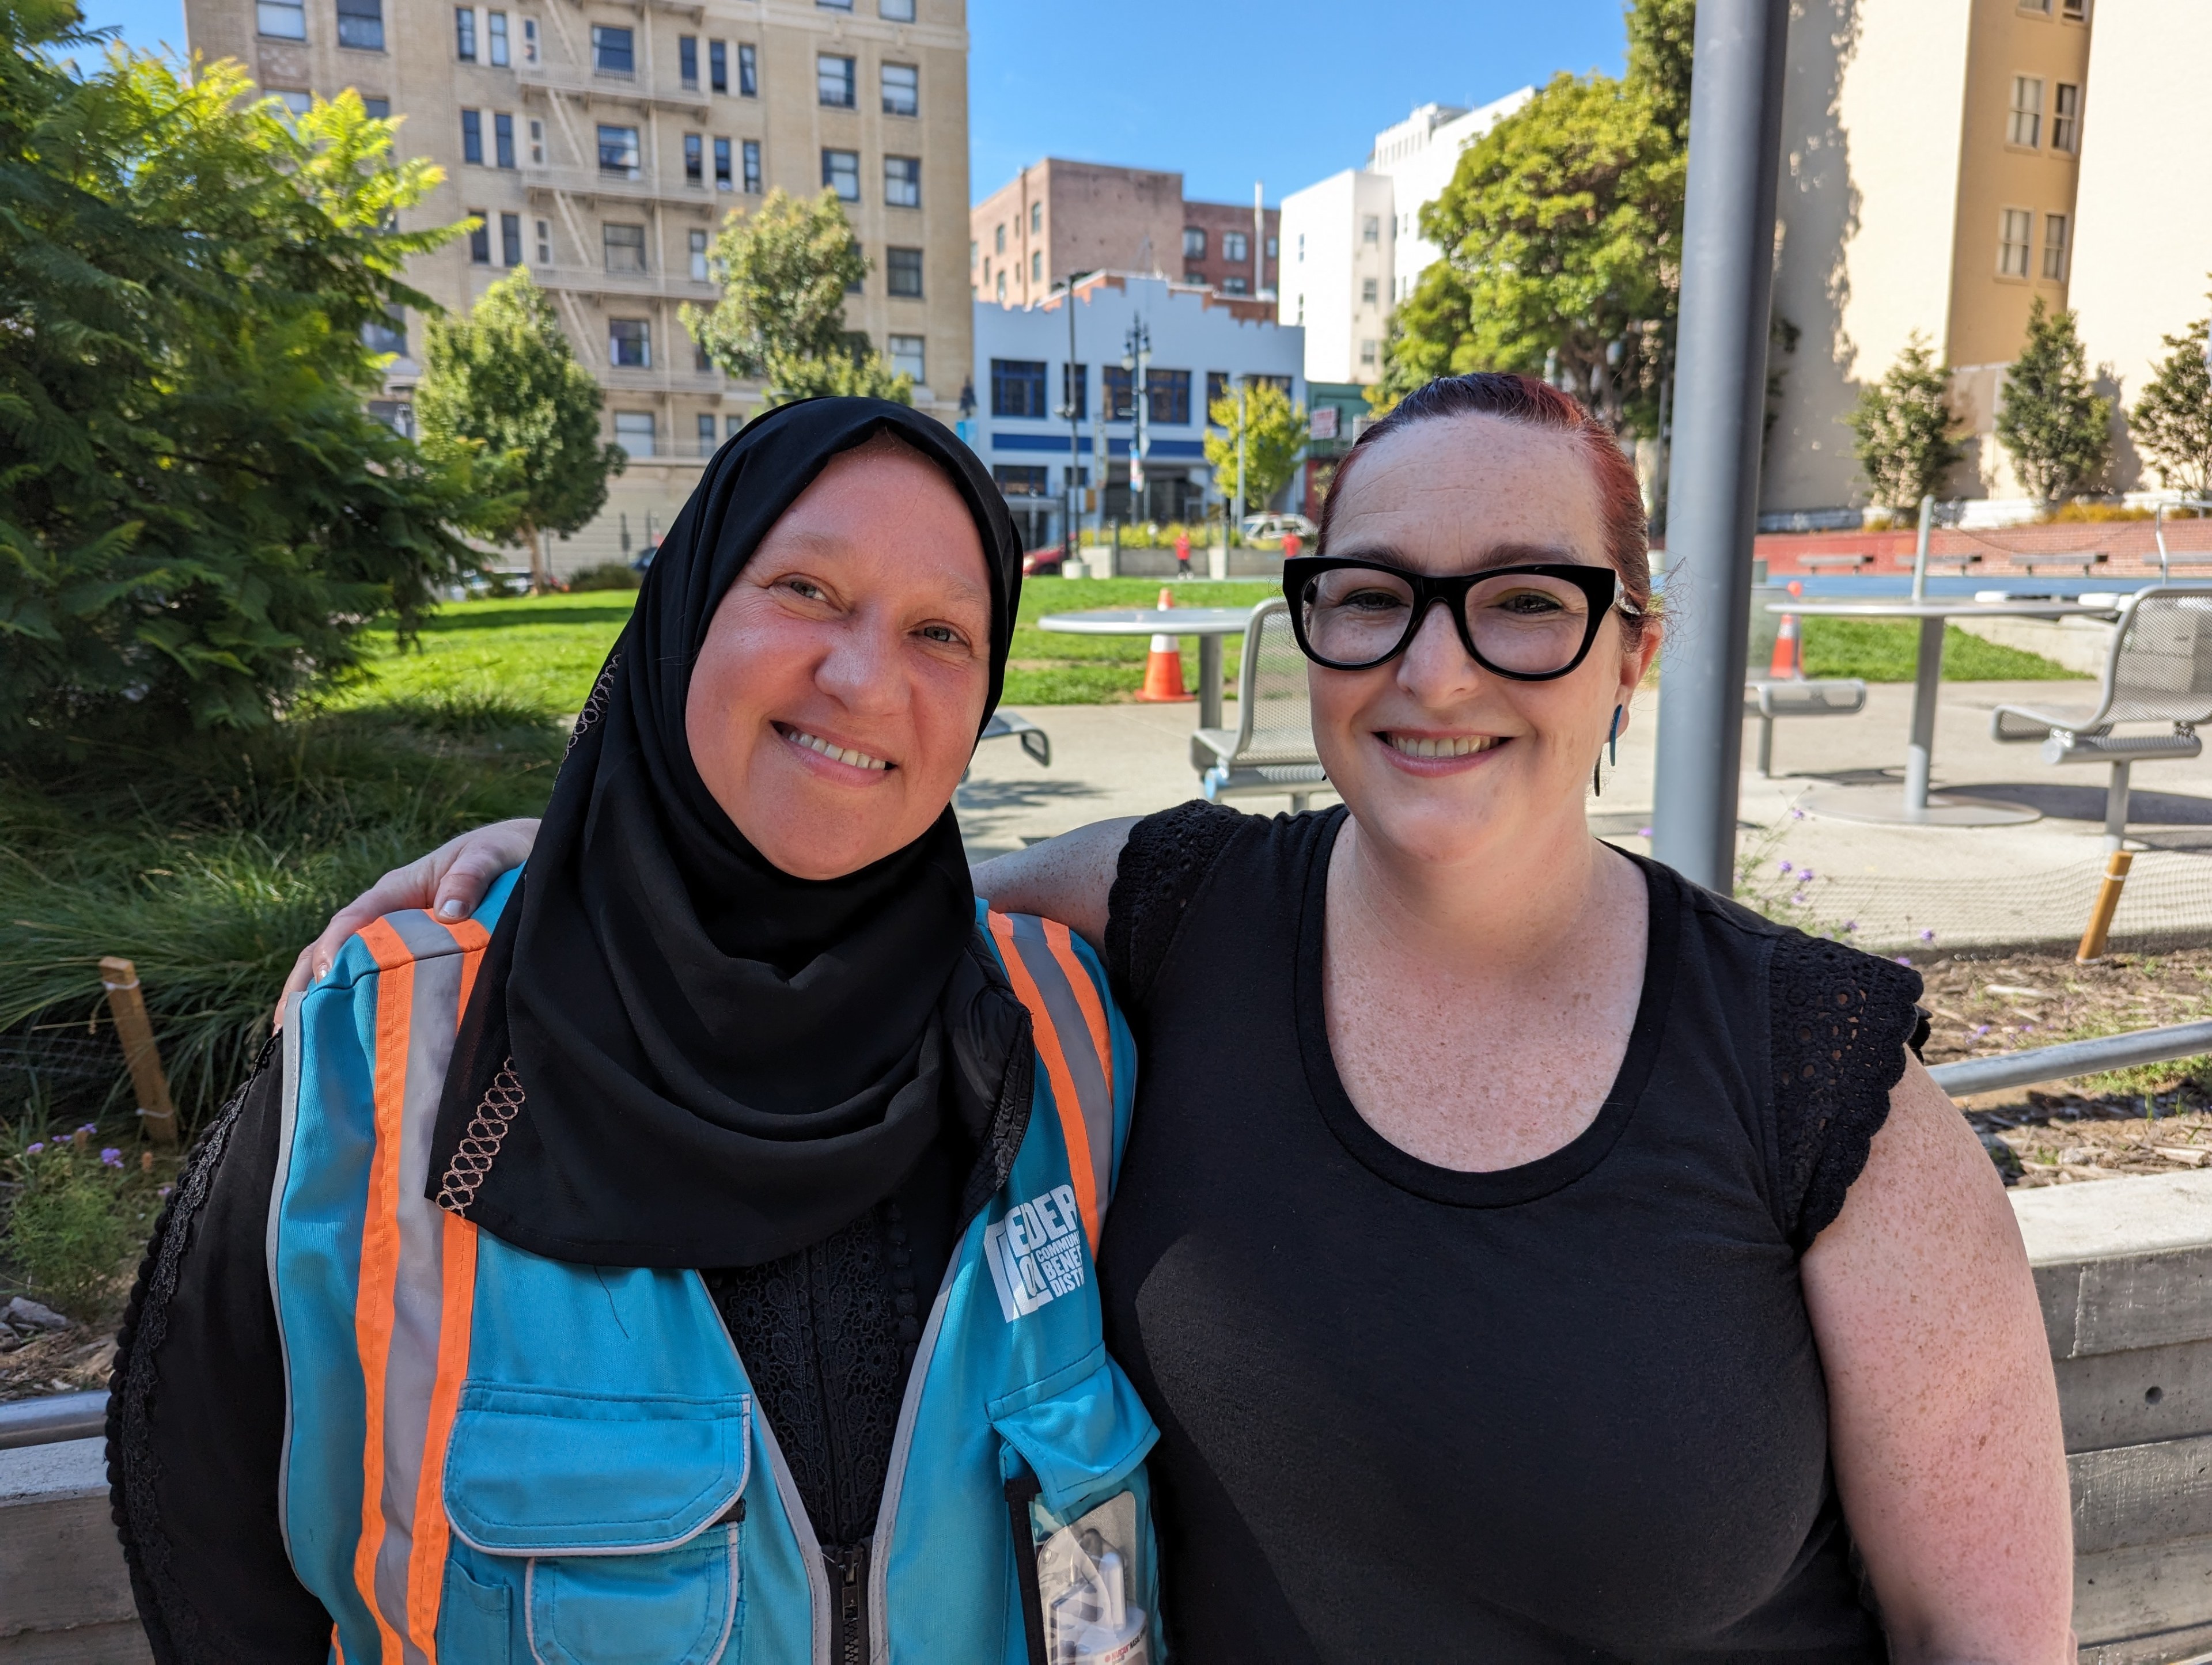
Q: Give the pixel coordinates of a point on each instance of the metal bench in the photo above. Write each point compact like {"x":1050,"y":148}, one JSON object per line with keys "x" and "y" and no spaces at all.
{"x":1035,"y":741}
{"x":1842,"y":562}
{"x":1767,"y":697}
{"x":1271,"y":750}
{"x":2159,"y":671}
{"x":1961,"y":562}
{"x":2082,"y":562}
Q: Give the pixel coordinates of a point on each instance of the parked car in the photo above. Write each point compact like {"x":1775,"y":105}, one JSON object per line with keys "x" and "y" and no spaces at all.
{"x":1043,"y":564}
{"x":1274,"y":528}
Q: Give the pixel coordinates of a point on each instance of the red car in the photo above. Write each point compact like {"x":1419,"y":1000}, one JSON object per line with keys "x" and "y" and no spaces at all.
{"x":1044,"y":562}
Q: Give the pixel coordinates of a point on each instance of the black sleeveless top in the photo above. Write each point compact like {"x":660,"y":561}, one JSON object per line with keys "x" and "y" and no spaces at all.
{"x":1569,"y":1410}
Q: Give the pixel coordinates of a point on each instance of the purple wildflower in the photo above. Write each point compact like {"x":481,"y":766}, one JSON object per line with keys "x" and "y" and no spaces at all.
{"x":1850,"y":925}
{"x":1797,"y":814}
{"x":111,"y":1157}
{"x":1804,"y":875}
{"x":1788,"y":867}
{"x":1927,"y":936}
{"x":33,"y":1149}
{"x":1903,"y":959}
{"x":163,"y":1191}
{"x":1981,"y":1029}
{"x":89,"y":1127}
{"x":1644,"y":832}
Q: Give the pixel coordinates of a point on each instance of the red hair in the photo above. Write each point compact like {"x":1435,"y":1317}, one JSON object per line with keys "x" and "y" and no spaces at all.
{"x":1532,"y":404}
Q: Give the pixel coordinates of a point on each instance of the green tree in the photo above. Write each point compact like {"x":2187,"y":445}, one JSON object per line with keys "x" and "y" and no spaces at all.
{"x":1275,"y":432}
{"x":1903,"y":430}
{"x":1561,"y":230}
{"x":785,"y":270}
{"x":197,"y":515}
{"x":2172,"y":422}
{"x":2058,"y":431}
{"x":502,"y":384}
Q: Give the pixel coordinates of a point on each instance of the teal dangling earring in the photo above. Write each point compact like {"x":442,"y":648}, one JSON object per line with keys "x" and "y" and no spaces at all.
{"x":1613,"y":754}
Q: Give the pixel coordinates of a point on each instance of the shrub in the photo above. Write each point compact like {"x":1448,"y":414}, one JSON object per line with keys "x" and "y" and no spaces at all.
{"x":67,"y":1232}
{"x":2172,"y":422}
{"x":2059,"y":433}
{"x":607,"y":575}
{"x":1901,"y":431}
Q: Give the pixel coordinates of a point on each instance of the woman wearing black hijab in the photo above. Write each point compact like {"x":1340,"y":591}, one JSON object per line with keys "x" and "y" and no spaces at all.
{"x":695,"y":1263}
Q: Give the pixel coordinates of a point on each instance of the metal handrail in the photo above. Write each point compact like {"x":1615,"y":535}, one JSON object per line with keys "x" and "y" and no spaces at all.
{"x":2158,"y":530}
{"x":58,"y":1417}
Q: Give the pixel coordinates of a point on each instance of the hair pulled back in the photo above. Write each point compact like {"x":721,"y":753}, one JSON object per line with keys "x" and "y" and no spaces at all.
{"x":1532,"y":404}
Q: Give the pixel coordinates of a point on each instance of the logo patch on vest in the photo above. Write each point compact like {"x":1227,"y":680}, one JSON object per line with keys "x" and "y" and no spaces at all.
{"x":1036,"y":1253}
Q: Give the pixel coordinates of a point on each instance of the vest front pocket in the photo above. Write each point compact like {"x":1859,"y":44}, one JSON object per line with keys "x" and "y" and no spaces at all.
{"x":677,"y":1606}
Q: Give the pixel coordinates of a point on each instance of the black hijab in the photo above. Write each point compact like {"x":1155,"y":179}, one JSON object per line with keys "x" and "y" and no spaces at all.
{"x":715,"y":1063}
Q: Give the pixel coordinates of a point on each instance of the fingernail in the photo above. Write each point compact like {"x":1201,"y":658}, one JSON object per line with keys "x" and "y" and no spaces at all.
{"x":322,"y":968}
{"x":450,"y":908}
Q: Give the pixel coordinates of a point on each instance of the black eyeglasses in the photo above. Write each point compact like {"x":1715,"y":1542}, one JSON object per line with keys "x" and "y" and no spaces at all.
{"x":1531,"y":623}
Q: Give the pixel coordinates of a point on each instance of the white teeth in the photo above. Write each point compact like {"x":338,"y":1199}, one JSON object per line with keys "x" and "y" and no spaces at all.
{"x":842,"y":754}
{"x":1457,"y":745}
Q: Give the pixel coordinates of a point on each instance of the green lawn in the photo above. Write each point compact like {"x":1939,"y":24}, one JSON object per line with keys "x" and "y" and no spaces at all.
{"x":1883,"y":650}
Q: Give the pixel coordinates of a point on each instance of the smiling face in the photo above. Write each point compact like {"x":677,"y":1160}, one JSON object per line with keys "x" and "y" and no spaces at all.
{"x":1440,"y":760}
{"x":836,"y":700}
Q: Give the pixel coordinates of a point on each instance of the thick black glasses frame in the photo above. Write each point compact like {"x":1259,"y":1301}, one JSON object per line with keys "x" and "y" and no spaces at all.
{"x":1601,"y":584}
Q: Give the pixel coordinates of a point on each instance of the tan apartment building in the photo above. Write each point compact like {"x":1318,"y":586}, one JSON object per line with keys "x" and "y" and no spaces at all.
{"x":601,"y":143}
{"x":1058,"y":217}
{"x":1931,"y":159}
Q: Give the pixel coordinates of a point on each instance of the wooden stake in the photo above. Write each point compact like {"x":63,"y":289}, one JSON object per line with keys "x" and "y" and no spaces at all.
{"x":119,"y":977}
{"x":2108,"y":901}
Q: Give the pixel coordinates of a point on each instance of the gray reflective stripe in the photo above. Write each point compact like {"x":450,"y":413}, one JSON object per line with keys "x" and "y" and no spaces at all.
{"x":1093,"y":1090}
{"x":418,"y":1295}
{"x":879,"y":1552}
{"x":809,"y":1546}
{"x":289,"y":1121}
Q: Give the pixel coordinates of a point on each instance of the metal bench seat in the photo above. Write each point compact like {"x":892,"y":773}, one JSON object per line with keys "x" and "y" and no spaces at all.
{"x":1767,"y":698}
{"x":2158,"y":669}
{"x":1271,"y":750}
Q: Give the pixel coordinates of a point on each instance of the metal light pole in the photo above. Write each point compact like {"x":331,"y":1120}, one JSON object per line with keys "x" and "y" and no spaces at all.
{"x":1244,"y":423}
{"x":1071,"y":406}
{"x":1137,"y":359}
{"x":1720,"y":407}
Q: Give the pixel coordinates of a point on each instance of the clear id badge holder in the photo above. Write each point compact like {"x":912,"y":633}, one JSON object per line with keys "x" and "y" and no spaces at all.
{"x":1086,"y":1590}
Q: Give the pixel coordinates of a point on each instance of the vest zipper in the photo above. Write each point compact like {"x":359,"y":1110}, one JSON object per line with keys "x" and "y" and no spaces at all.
{"x":848,"y":1601}
{"x":1021,"y":1492}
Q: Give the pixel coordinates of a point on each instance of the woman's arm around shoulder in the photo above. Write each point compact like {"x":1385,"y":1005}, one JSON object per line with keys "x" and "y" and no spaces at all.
{"x":1942,"y":1407}
{"x":1067,"y":878}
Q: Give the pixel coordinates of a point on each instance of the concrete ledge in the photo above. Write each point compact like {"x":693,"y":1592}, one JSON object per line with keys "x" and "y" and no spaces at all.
{"x":64,"y":1594}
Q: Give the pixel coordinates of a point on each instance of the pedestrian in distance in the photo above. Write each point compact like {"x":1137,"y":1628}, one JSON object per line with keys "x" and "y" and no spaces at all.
{"x":1527,"y":1255}
{"x":684,"y":1253}
{"x":1183,"y":554}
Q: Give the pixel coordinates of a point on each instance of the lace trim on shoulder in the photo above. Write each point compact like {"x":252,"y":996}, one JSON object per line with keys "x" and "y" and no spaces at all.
{"x":479,"y":1146}
{"x":133,"y":1471}
{"x":1840,"y":1023}
{"x":1167,"y":857}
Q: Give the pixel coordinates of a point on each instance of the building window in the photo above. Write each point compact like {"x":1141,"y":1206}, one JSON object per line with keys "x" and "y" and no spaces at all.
{"x":1002,"y":288}
{"x":833,"y":80}
{"x":2054,"y":247}
{"x":694,"y":160}
{"x":841,"y":172}
{"x":612,"y":53}
{"x":361,"y":25}
{"x":700,"y":362}
{"x":2074,"y":11}
{"x":1120,"y":406}
{"x":472,"y":136}
{"x":1018,"y":387}
{"x":858,"y":285}
{"x":1370,"y":229}
{"x":1271,"y":248}
{"x":687,"y":59}
{"x":835,"y":5}
{"x":1368,"y":352}
{"x":510,"y":239}
{"x":530,"y":40}
{"x":748,"y":71}
{"x":1193,"y":276}
{"x":479,"y":238}
{"x":2040,"y":8}
{"x":1167,"y":397}
{"x":999,"y":246}
{"x":495,"y":24}
{"x":902,"y":90}
{"x":624,"y":246}
{"x":903,"y":181}
{"x":733,"y":422}
{"x":1236,"y":285}
{"x":377,"y":109}
{"x":907,"y":356}
{"x":629,"y":346}
{"x":718,"y":65}
{"x":2014,"y":227}
{"x":296,"y":104}
{"x":465,"y":33}
{"x":1037,"y":265}
{"x":897,"y":11}
{"x":502,"y":138}
{"x":1074,"y":392}
{"x":903,"y":272}
{"x":1194,"y":242}
{"x":545,"y":242}
{"x":1370,"y":291}
{"x":722,"y":164}
{"x":536,"y":143}
{"x":287,"y":20}
{"x":634,"y":432}
{"x":2066,"y":116}
{"x":2024,"y":122}
{"x":706,"y":430}
{"x":618,"y":150}
{"x":752,"y":168}
{"x":398,"y":415}
{"x":1037,"y":218}
{"x":700,"y":272}
{"x":387,"y":334}
{"x":1235,"y":245}
{"x":1021,"y":479}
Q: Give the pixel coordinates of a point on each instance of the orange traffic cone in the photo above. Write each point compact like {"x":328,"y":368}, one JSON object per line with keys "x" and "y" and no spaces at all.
{"x":1788,"y":663}
{"x":1163,"y":666}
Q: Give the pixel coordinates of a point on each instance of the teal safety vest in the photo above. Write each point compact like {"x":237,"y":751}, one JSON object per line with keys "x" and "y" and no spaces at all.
{"x":490,"y":1456}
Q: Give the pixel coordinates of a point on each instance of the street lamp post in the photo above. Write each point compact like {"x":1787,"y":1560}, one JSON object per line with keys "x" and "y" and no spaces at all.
{"x":1243,"y":422}
{"x":1137,"y":359}
{"x":1071,"y":407}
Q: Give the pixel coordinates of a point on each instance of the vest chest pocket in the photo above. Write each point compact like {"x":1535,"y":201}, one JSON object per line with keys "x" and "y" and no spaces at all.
{"x":614,"y":1524}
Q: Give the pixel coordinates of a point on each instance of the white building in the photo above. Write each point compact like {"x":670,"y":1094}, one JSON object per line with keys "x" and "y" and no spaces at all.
{"x":1352,"y":246}
{"x":1201,"y":342}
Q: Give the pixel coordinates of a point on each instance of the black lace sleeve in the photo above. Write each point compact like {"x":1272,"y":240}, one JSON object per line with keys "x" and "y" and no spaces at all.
{"x":1166,"y":860}
{"x":195,"y":1412}
{"x":1841,"y":1021}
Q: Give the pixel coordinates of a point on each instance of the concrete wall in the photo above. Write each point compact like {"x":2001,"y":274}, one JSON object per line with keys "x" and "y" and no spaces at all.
{"x":1057,"y":217}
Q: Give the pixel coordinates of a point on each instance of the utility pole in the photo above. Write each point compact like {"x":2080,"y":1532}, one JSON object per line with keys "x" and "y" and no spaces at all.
{"x":1243,"y":422}
{"x":1719,"y":412}
{"x":1137,"y":359}
{"x":1071,"y":406}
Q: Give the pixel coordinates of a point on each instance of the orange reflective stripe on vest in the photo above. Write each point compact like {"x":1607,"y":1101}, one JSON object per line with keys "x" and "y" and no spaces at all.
{"x":1068,"y":1025}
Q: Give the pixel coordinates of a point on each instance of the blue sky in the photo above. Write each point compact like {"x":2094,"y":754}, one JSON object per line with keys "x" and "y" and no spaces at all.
{"x":1285,"y":94}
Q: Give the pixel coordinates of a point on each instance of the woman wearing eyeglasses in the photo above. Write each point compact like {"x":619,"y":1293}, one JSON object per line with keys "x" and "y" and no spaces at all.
{"x":1528,"y":1255}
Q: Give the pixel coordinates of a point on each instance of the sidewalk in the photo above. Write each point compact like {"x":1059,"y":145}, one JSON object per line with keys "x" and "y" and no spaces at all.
{"x":1969,"y":885}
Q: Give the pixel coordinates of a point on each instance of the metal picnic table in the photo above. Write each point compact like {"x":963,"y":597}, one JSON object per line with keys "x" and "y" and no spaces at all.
{"x":1208,"y":624}
{"x":1914,"y":806}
